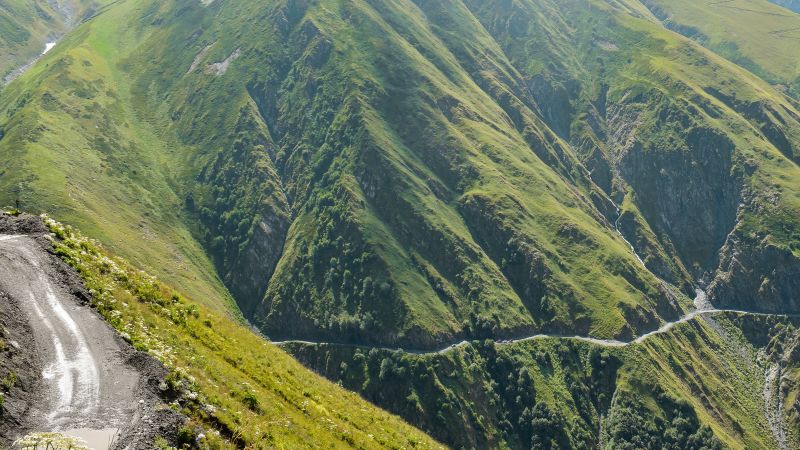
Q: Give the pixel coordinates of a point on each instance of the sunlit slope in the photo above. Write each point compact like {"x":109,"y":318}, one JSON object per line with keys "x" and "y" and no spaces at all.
{"x":74,"y":145}
{"x":26,"y":25}
{"x":756,"y":34}
{"x":414,"y":173}
{"x":416,"y":197}
{"x":700,"y":149}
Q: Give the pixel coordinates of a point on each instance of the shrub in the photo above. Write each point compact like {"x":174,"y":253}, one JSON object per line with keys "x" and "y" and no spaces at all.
{"x":161,"y":444}
{"x":187,"y":436}
{"x":9,"y":381}
{"x":250,"y":400}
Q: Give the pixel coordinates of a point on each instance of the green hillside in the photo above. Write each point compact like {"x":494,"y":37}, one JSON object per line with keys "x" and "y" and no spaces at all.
{"x":757,"y":35}
{"x":26,"y":25}
{"x":705,"y":384}
{"x":398,"y":173}
{"x":77,"y":146}
{"x":481,"y":204}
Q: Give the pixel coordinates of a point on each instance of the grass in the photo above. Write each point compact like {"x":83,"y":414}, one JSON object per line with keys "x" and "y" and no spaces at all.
{"x":25,"y":27}
{"x":100,"y":155}
{"x":757,"y":35}
{"x":420,"y":194}
{"x":709,"y":373}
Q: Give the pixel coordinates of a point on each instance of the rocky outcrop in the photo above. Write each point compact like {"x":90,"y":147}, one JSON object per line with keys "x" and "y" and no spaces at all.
{"x":687,"y":191}
{"x":756,"y":275}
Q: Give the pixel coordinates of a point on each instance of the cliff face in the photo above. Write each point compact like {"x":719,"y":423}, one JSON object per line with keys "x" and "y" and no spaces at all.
{"x":687,"y":192}
{"x":756,"y":274}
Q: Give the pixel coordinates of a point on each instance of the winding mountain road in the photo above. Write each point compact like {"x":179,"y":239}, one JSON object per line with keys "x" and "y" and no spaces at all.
{"x":703,"y":307}
{"x":89,"y":390}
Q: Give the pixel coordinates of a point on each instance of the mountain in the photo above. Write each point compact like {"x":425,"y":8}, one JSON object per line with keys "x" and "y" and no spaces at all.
{"x":756,"y":35}
{"x":484,"y":204}
{"x":383,"y":174}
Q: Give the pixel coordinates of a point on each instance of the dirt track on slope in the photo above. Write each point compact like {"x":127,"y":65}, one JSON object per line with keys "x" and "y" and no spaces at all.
{"x":76,"y":374}
{"x":703,"y":308}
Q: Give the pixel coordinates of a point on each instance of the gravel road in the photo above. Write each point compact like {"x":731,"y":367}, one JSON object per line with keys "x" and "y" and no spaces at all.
{"x":87,"y":381}
{"x":701,"y":303}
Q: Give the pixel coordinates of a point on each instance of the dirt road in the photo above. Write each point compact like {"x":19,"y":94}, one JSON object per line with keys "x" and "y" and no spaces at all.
{"x":701,"y":303}
{"x":91,"y":384}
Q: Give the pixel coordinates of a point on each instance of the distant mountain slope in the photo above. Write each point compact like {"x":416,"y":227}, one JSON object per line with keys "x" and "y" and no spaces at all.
{"x":401,"y":173}
{"x":26,"y":25}
{"x":755,"y":34}
{"x":725,"y":381}
{"x":794,"y":5}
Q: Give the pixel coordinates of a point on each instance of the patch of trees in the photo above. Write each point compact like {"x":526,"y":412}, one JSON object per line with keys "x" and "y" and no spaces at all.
{"x":632,"y":426}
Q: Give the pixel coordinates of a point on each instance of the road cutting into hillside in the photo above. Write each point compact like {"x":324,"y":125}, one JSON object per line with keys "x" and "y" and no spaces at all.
{"x":89,"y":390}
{"x":702,"y":308}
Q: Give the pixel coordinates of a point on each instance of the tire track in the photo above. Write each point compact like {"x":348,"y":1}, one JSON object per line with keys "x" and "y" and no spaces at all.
{"x":88,"y":389}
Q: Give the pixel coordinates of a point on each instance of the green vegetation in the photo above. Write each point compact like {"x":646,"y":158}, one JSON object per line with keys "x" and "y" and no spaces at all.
{"x":97,"y":156}
{"x":331,"y":211}
{"x":757,"y":35}
{"x":9,"y":381}
{"x":51,"y":441}
{"x":26,"y":25}
{"x":238,"y":389}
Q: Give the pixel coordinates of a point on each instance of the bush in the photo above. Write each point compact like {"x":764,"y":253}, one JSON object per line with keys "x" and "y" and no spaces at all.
{"x":187,"y":437}
{"x":250,"y":400}
{"x":9,"y":381}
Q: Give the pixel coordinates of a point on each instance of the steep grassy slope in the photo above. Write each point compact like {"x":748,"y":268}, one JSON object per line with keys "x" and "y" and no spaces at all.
{"x":700,"y":148}
{"x":416,"y":184}
{"x":239,"y":390}
{"x":26,"y":25}
{"x":757,"y":35}
{"x":399,"y":216}
{"x":413,"y":173}
{"x":385,"y":180}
